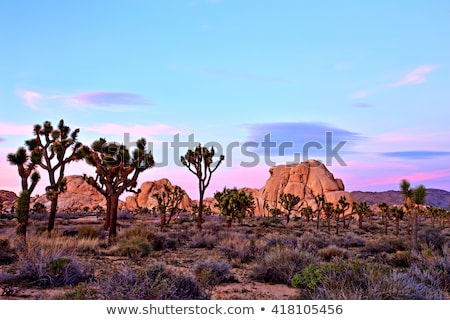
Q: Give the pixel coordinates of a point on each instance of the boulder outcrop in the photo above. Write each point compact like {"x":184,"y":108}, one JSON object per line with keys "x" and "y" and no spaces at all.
{"x":145,"y":198}
{"x":305,"y":180}
{"x":78,"y":195}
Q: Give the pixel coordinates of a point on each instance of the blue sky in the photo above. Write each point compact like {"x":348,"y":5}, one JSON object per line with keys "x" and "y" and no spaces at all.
{"x":375,"y":74}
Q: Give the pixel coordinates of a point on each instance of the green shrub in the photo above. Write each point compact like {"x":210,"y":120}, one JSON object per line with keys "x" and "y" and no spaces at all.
{"x":308,"y":278}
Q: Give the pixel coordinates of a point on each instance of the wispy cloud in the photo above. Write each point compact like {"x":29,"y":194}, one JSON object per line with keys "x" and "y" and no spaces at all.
{"x":299,"y":135}
{"x":415,"y":76}
{"x":30,"y":98}
{"x":416,"y":154}
{"x":110,"y":98}
{"x":1,"y":139}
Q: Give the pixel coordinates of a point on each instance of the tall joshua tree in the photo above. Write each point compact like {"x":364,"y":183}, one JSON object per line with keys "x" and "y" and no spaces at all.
{"x":117,"y":171}
{"x":413,"y":198}
{"x":52,"y":149}
{"x":419,"y":195}
{"x":26,"y":170}
{"x":200,"y":163}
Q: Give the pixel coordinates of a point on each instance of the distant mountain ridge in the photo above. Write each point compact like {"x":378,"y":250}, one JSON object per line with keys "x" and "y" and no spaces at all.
{"x":435,"y":197}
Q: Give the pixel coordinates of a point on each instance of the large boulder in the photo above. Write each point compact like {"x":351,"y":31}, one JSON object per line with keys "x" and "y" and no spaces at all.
{"x":78,"y":195}
{"x":145,"y":199}
{"x":306,"y":180}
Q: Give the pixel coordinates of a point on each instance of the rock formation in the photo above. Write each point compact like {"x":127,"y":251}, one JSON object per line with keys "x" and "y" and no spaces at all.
{"x":305,"y":180}
{"x":79,"y":194}
{"x":145,"y":199}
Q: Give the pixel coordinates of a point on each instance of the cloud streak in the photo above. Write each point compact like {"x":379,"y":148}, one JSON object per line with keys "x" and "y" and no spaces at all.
{"x":416,"y":154}
{"x":110,"y":98}
{"x":413,"y":77}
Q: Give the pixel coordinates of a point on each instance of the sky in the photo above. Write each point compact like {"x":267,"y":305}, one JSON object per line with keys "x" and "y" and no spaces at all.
{"x":363,"y":86}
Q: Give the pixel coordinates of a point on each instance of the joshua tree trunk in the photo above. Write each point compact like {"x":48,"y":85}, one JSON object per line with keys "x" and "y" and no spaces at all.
{"x":108,"y":213}
{"x":360,"y":221}
{"x":414,"y":227}
{"x":200,"y":211}
{"x":397,"y":226}
{"x":113,"y":217}
{"x":162,"y":219}
{"x":53,"y":208}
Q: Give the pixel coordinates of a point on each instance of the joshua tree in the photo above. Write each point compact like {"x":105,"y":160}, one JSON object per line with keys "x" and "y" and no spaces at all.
{"x":398,"y":214}
{"x":419,"y":195}
{"x":307,"y":212}
{"x":1,"y":208}
{"x":384,"y":212}
{"x":116,"y":172}
{"x":339,"y":209}
{"x":27,"y":170}
{"x":200,"y":163}
{"x":168,"y":201}
{"x":289,"y":201}
{"x":48,"y":150}
{"x":328,"y":209}
{"x":319,"y":200}
{"x":362,"y":210}
{"x":234,"y":204}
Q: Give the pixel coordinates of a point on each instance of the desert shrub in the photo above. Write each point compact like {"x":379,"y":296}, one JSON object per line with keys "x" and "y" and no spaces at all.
{"x":308,"y":278}
{"x":400,"y":259}
{"x":282,"y":241}
{"x":158,"y":241}
{"x":155,"y":282}
{"x":133,"y":247}
{"x":125,"y":215}
{"x":313,"y":241}
{"x":7,"y":254}
{"x":82,"y":291}
{"x":88,"y":232}
{"x":386,"y":245}
{"x":433,"y":237}
{"x":332,"y":252}
{"x":352,"y":240}
{"x":59,"y":271}
{"x":205,"y":239}
{"x":239,"y":247}
{"x":211,"y":273}
{"x":279,"y":264}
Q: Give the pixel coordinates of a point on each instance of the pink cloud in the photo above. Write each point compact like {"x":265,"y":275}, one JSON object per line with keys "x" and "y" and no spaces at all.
{"x":31,"y":98}
{"x":14,"y":129}
{"x":110,"y":98}
{"x":415,"y":76}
